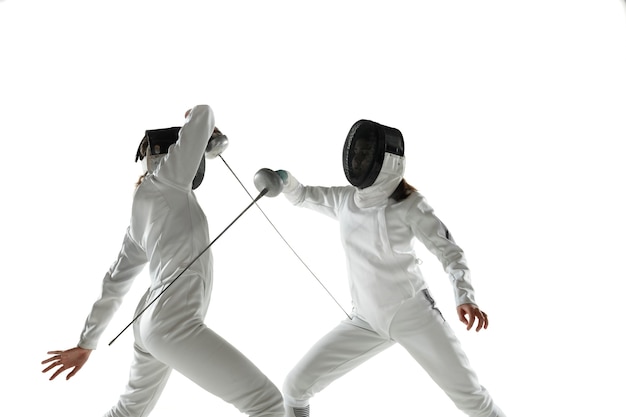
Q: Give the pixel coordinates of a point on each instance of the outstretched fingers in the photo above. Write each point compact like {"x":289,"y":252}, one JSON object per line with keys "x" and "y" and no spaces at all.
{"x":56,"y":362}
{"x":63,"y":360}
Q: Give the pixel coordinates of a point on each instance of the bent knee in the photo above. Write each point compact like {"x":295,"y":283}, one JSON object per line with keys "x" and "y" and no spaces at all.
{"x":296,"y":390}
{"x":270,"y":404}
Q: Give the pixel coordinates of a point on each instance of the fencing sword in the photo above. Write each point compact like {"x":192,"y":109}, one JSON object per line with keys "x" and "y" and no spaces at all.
{"x":269,"y":176}
{"x":268,"y":184}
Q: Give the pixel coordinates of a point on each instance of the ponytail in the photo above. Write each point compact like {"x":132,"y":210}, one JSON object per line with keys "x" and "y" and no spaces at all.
{"x":402,"y":191}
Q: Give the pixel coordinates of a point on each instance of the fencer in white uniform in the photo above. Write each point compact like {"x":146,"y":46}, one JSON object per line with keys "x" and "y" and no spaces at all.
{"x":168,"y":229}
{"x":380,"y":216}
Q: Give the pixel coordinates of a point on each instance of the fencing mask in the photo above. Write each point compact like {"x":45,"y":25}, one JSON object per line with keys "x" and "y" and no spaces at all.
{"x":155,"y":145}
{"x":364,"y":151}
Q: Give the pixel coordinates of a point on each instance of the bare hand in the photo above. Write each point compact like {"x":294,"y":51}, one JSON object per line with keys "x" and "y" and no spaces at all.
{"x":469,"y":313}
{"x":73,"y":359}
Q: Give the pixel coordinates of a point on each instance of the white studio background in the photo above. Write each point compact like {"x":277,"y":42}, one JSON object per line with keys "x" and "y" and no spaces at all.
{"x":513,"y":117}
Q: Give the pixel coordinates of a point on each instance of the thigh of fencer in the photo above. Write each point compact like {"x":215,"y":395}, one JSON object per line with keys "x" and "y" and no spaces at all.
{"x":344,"y":348}
{"x":147,"y":379}
{"x":175,"y":316}
{"x":210,"y":361}
{"x":173,"y":331}
{"x":420,"y":328}
{"x":175,"y":311}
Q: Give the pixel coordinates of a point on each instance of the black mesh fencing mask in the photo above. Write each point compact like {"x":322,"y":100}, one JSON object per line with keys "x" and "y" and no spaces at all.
{"x":157,"y":142}
{"x":365,"y":148}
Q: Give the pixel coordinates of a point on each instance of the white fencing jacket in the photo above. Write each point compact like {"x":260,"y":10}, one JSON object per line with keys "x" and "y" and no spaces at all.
{"x":383,"y":269}
{"x":168,"y":228}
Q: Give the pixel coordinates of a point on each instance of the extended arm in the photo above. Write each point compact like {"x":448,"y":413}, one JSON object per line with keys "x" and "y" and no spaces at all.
{"x":115,"y":284}
{"x":325,"y":200}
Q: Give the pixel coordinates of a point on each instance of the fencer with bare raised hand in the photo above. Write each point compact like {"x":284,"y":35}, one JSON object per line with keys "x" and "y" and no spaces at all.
{"x":380,"y":215}
{"x":168,"y":231}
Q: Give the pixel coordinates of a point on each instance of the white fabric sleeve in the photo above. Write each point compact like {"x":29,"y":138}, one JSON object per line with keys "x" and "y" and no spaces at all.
{"x":325,"y":200}
{"x":183,"y":158}
{"x":435,"y":236}
{"x":115,"y":285}
{"x":293,"y":190}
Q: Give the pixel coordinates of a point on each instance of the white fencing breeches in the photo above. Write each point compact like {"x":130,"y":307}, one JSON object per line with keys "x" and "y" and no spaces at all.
{"x":171,"y":334}
{"x":420,"y":329}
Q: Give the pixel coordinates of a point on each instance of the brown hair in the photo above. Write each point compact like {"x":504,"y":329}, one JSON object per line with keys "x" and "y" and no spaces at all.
{"x":402,"y":191}
{"x":140,"y":180}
